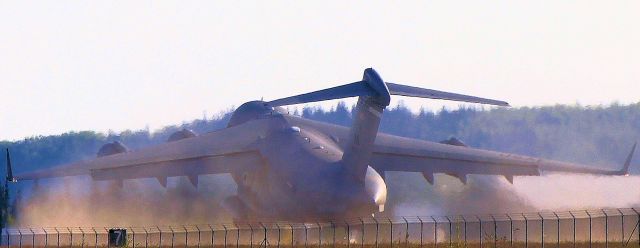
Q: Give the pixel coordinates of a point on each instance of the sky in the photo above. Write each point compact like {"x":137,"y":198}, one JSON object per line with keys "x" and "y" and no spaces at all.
{"x":117,"y":65}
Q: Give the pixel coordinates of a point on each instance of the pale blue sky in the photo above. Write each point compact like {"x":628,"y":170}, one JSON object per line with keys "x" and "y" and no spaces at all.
{"x":88,"y":65}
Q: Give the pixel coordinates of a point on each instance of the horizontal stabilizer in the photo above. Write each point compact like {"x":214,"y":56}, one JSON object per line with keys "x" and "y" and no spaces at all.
{"x":405,"y":90}
{"x":373,"y":86}
{"x":348,"y":90}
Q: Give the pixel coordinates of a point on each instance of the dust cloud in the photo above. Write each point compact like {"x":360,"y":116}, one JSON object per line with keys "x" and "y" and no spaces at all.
{"x":79,"y":201}
{"x":494,"y":194}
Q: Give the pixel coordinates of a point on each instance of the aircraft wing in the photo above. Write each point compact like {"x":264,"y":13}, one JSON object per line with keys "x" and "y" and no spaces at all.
{"x":393,"y":153}
{"x":224,"y":151}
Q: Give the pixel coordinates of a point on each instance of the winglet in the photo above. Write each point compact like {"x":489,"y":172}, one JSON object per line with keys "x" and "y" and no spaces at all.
{"x":9,"y":177}
{"x":625,"y":168}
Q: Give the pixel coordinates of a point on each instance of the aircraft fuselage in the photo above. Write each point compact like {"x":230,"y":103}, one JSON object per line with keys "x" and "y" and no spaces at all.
{"x":302,"y":176}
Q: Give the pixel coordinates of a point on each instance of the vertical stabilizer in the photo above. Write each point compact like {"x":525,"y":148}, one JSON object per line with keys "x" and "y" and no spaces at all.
{"x":365,"y":125}
{"x":10,"y":177}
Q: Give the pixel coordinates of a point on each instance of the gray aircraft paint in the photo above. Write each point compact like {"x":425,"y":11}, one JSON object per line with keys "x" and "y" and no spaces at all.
{"x":290,"y":168}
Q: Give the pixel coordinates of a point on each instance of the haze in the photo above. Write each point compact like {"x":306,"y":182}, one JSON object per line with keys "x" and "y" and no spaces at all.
{"x":126,"y":65}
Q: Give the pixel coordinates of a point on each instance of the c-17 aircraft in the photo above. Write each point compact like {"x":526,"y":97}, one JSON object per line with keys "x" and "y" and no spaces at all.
{"x":291,"y":168}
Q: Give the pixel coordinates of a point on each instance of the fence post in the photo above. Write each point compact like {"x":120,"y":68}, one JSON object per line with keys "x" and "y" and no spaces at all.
{"x":173,"y":235}
{"x":495,"y":231}
{"x":621,"y":222}
{"x":510,"y":230}
{"x":541,"y":229}
{"x":391,"y":230}
{"x":292,"y":234}
{"x":573,"y":218}
{"x":333,"y":226}
{"x":107,"y":231}
{"x":70,"y":237}
{"x":238,"y":235}
{"x":225,"y":235}
{"x":450,"y":229}
{"x":45,"y":237}
{"x":306,"y":235}
{"x":406,"y":236}
{"x":606,"y":228}
{"x":558,"y":229}
{"x":8,"y":237}
{"x":82,"y":232}
{"x":348,"y":234}
{"x":250,"y":235}
{"x":278,"y":226}
{"x":362,"y":244}
{"x":96,"y":233}
{"x":33,"y":238}
{"x":421,"y":231}
{"x":20,"y":238}
{"x":186,"y":237}
{"x":264,"y":228}
{"x":526,"y":231}
{"x":199,"y":235}
{"x":57,"y":235}
{"x":146,"y":237}
{"x":213,"y":235}
{"x":464,"y":221}
{"x":319,"y":234}
{"x":198,"y":228}
{"x":480,"y":221}
{"x":133,"y":236}
{"x":377,"y":232}
{"x":589,"y":227}
{"x":638,"y":225}
{"x":160,"y":234}
{"x":435,"y":232}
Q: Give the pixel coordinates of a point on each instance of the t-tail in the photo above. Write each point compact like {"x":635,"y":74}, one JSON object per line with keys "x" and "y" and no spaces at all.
{"x":374,"y":95}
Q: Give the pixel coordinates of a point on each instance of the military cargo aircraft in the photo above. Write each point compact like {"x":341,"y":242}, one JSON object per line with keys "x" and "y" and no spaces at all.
{"x":290,"y":168}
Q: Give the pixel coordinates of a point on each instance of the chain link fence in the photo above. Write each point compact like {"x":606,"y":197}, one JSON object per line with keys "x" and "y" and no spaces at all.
{"x":590,"y":228}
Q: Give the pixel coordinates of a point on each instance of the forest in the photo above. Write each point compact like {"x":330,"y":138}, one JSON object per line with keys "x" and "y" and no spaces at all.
{"x":595,"y":135}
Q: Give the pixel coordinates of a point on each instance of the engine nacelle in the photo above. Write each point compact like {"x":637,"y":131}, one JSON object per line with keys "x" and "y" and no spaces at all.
{"x":453,"y":141}
{"x":112,"y":148}
{"x":182,"y":134}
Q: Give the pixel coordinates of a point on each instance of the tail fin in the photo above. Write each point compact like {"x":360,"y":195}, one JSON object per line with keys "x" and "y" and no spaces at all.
{"x":625,"y":168}
{"x":365,"y":125}
{"x":374,"y":96}
{"x":10,"y":177}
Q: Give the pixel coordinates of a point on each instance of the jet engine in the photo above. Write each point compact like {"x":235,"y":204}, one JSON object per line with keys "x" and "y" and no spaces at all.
{"x":453,"y":141}
{"x":182,"y":134}
{"x":112,"y":148}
